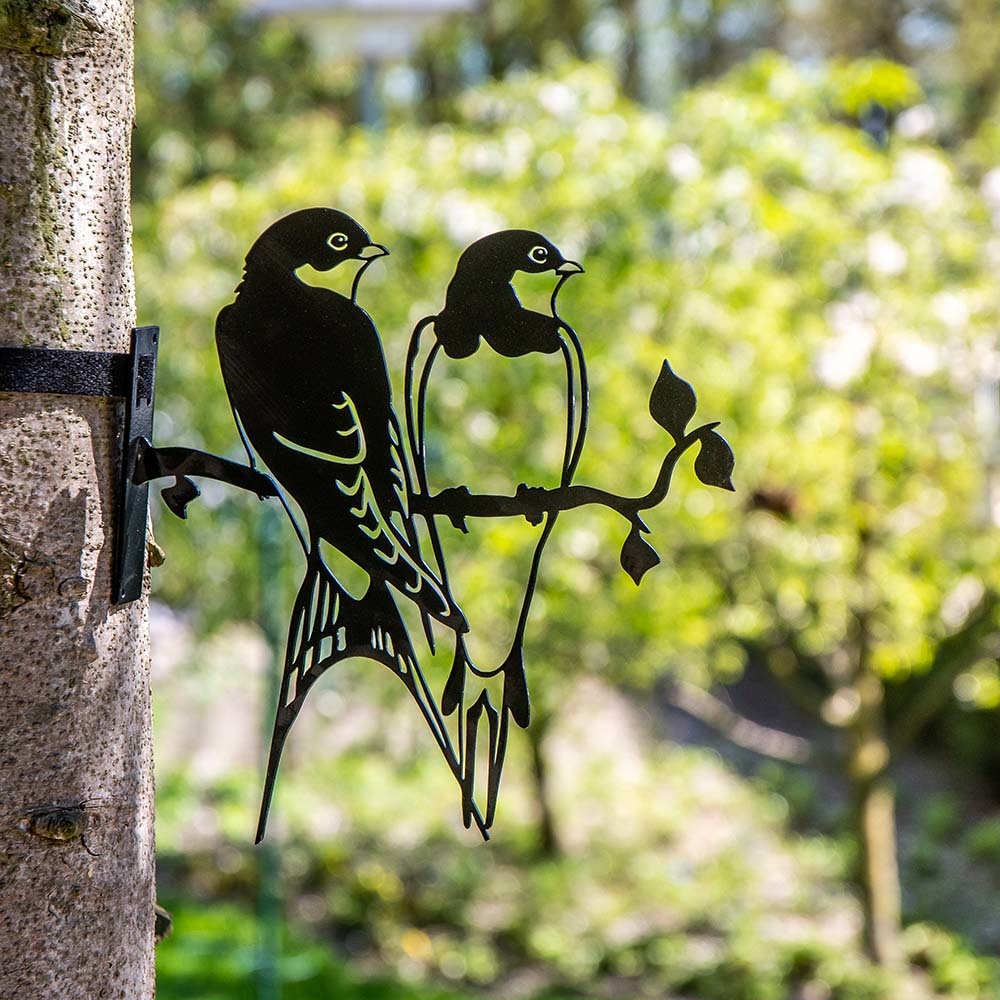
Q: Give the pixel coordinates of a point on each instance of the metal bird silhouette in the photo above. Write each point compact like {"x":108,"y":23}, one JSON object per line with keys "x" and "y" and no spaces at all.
{"x":307,"y":381}
{"x":481,"y":305}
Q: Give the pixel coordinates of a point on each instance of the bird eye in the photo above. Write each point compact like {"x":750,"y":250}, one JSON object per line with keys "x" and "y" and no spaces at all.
{"x":539,"y":254}
{"x":338,"y":241}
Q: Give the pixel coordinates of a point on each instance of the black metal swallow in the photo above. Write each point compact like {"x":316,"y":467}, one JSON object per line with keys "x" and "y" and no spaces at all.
{"x":481,"y":305}
{"x":307,"y":381}
{"x":310,"y":392}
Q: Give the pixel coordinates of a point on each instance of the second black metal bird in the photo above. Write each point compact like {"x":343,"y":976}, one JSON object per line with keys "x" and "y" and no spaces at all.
{"x":481,"y":305}
{"x":306,"y":376}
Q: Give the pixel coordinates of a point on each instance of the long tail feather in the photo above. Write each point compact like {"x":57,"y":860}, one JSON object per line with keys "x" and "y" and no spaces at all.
{"x":497,"y":758}
{"x":328,"y":625}
{"x":480,"y":708}
{"x":497,"y":727}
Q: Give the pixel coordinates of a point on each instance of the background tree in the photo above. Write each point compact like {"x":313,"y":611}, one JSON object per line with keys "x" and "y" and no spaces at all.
{"x":76,"y":796}
{"x":830,"y":300}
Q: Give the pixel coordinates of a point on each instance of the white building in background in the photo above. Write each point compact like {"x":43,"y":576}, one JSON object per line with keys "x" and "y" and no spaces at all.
{"x":376,"y":33}
{"x":379,"y":30}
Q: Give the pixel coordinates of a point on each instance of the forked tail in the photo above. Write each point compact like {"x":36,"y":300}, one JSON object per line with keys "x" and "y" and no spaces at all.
{"x":479,"y":712}
{"x":327,"y":626}
{"x":475,"y":712}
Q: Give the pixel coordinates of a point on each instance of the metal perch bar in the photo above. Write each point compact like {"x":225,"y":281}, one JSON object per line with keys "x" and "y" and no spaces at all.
{"x":159,"y":463}
{"x":536,"y":501}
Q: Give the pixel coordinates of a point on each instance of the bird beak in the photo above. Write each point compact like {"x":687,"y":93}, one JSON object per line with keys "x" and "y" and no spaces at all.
{"x":374,"y":250}
{"x":369,"y":253}
{"x":569,"y":267}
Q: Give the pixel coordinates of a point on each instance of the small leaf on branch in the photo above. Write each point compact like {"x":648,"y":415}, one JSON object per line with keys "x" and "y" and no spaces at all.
{"x":638,"y":556}
{"x":715,"y":462}
{"x":672,"y":402}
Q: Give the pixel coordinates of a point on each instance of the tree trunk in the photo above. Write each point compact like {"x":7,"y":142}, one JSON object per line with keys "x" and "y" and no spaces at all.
{"x":875,"y":820}
{"x":76,"y":813}
{"x":869,"y":753}
{"x":548,"y":839}
{"x":874,"y":815}
{"x":630,"y":48}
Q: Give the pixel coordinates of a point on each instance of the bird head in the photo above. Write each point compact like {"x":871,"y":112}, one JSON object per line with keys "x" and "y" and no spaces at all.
{"x":481,"y":296}
{"x":500,"y":255}
{"x":319,"y":237}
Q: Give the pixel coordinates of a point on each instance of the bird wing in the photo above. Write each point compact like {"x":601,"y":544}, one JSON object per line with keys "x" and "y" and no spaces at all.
{"x":373,"y":484}
{"x":317,"y":410}
{"x":415,"y":393}
{"x":342,"y":428}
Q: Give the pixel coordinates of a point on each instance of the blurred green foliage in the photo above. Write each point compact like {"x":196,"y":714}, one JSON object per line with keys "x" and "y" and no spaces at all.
{"x":215,"y":84}
{"x":213,"y":954}
{"x":687,"y":883}
{"x":659,"y":48}
{"x":214,"y":87}
{"x":833,"y":304}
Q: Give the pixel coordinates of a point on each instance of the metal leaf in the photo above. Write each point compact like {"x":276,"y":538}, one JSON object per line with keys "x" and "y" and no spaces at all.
{"x":715,"y":462}
{"x":672,"y":402}
{"x":638,"y":556}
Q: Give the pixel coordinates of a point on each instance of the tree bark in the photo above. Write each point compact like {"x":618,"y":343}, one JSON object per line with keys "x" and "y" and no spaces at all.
{"x":869,"y":757}
{"x":874,"y":815}
{"x":875,"y":820}
{"x":76,"y":812}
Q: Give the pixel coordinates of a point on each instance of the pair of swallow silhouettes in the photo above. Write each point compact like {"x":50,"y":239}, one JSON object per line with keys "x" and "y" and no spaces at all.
{"x":307,"y":380}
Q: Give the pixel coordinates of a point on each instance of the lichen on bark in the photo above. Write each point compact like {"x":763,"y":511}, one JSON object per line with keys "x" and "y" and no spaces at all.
{"x":11,"y":566}
{"x":47,"y":27}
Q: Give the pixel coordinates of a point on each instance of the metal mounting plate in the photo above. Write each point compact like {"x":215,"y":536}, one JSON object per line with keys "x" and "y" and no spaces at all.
{"x":133,"y":498}
{"x":129,"y":376}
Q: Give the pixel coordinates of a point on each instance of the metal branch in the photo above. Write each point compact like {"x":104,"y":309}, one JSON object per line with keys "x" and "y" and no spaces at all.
{"x":534,"y":502}
{"x":180,"y":463}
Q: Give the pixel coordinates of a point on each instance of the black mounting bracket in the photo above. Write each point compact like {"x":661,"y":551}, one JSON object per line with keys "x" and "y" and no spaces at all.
{"x":133,"y":497}
{"x":132,"y":378}
{"x":109,"y":374}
